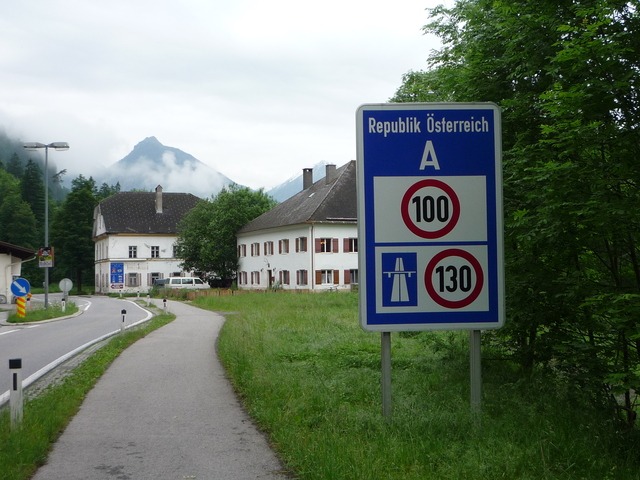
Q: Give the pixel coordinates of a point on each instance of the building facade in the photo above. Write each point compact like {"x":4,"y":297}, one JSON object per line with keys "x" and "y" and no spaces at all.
{"x":134,"y":235}
{"x":308,"y":242}
{"x":11,"y":259}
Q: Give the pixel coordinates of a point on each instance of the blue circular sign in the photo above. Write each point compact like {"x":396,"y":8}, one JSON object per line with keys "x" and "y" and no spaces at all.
{"x":20,"y":287}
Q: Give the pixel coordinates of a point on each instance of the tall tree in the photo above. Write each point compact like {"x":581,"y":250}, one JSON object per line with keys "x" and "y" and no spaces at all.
{"x":33,"y":189}
{"x":72,"y":232}
{"x":17,"y":221}
{"x":207,"y":234}
{"x":15,"y":166}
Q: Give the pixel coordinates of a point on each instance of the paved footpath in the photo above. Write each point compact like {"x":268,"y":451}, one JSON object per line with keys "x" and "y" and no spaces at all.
{"x":164,"y":410}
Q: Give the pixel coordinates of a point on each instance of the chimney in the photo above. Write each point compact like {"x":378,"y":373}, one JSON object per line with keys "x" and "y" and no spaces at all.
{"x":330,"y":174}
{"x":307,"y":178}
{"x":159,"y":199}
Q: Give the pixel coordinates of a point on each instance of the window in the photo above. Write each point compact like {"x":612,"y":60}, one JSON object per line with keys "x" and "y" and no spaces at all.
{"x":283,"y":277}
{"x":301,"y":244}
{"x":326,"y":245}
{"x":351,"y":276}
{"x":302,"y":277}
{"x":255,"y":278}
{"x":154,"y":277}
{"x":132,"y":280}
{"x":268,"y":248}
{"x":350,"y":245}
{"x":242,"y":278}
{"x":242,"y":250}
{"x":255,"y":249}
{"x":283,"y":246}
{"x":133,"y":251}
{"x":155,"y":251}
{"x":327,"y":277}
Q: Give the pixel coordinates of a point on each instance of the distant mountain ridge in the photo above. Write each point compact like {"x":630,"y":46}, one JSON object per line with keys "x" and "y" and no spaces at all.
{"x":151,"y":163}
{"x":293,"y":185}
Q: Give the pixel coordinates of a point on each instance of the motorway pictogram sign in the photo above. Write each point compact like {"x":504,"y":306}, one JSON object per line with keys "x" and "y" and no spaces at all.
{"x":430,"y":216}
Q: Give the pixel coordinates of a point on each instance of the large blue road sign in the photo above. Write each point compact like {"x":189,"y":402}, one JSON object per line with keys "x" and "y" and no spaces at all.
{"x":430,"y":216}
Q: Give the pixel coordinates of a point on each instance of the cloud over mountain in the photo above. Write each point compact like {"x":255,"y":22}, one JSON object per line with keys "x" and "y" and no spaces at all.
{"x":151,"y":163}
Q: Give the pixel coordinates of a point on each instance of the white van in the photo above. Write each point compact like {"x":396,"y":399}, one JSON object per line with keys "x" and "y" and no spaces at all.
{"x":185,"y":282}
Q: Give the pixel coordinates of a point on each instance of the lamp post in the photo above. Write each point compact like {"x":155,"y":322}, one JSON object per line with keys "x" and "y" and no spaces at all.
{"x":55,"y":146}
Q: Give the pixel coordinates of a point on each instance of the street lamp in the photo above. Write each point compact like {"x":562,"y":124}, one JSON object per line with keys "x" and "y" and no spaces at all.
{"x":55,"y":146}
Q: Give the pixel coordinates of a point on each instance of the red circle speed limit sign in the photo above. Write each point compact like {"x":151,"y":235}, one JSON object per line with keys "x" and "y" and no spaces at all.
{"x":454,"y":278}
{"x":430,"y":208}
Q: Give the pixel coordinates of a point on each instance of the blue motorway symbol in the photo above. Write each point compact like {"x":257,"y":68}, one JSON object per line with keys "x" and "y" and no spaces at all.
{"x":399,"y":280}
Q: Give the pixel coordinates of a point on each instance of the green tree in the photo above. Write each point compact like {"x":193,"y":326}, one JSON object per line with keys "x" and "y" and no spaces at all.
{"x":207,"y":234}
{"x":17,"y":221}
{"x":32,"y":187}
{"x":72,"y":232}
{"x":565,"y":74}
{"x":15,"y":166}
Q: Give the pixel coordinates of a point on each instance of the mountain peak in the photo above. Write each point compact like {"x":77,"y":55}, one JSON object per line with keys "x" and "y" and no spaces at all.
{"x":151,"y":163}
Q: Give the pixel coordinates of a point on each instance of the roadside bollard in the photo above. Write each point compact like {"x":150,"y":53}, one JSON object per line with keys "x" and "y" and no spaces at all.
{"x":124,"y":314}
{"x":164,"y":304}
{"x":63,"y":305}
{"x":15,"y":396}
{"x":148,"y":299}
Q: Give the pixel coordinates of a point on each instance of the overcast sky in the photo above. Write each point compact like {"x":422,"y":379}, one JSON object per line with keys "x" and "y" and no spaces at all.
{"x":256,"y":89}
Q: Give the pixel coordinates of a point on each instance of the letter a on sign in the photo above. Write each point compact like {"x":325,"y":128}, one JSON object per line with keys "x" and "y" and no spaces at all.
{"x":429,"y":152}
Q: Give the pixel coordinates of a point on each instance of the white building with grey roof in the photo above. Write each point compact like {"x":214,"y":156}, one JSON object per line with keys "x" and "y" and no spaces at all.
{"x":309,"y":241}
{"x":134,"y":235}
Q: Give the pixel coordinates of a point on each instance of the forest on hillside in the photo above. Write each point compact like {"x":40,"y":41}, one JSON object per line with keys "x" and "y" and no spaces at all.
{"x":22,"y":212}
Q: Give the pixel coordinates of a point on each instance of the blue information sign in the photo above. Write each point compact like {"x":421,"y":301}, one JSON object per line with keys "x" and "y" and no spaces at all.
{"x":20,"y":287}
{"x":117,"y":275}
{"x":430,"y":216}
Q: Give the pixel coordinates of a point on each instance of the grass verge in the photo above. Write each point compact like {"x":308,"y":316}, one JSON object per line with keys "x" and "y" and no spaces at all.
{"x":37,"y":314}
{"x":310,"y":377}
{"x":24,"y":449}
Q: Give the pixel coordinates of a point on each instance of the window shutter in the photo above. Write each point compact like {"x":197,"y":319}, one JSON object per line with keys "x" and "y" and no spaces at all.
{"x":345,"y":244}
{"x":318,"y":245}
{"x":334,"y":245}
{"x":318,"y":277}
{"x":347,"y":277}
{"x":336,"y":276}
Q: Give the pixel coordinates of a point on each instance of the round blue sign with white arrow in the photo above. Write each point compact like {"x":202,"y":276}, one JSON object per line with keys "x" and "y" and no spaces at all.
{"x":20,"y":287}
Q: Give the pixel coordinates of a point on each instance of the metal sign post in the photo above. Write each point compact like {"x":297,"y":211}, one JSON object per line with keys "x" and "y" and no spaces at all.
{"x":430,"y":218}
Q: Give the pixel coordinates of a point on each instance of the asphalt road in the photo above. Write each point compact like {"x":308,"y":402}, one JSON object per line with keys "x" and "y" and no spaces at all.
{"x":164,"y":410}
{"x":42,"y":344}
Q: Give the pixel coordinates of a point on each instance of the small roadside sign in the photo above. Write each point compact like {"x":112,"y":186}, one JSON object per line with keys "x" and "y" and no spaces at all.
{"x":20,"y":287}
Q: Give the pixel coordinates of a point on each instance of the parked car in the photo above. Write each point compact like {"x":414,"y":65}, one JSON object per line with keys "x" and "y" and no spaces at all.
{"x":186,"y":282}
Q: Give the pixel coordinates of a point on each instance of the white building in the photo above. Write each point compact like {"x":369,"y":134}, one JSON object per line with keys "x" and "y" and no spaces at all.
{"x":307,"y":242}
{"x":11,"y":259}
{"x":135,"y":235}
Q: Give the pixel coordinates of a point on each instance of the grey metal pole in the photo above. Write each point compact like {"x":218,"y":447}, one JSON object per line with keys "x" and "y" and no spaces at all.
{"x":475,"y":366}
{"x":46,"y":223}
{"x":386,"y":375}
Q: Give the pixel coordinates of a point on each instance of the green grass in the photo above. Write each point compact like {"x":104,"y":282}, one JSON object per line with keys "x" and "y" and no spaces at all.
{"x":45,"y":417}
{"x":310,"y":377}
{"x":38,"y":314}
